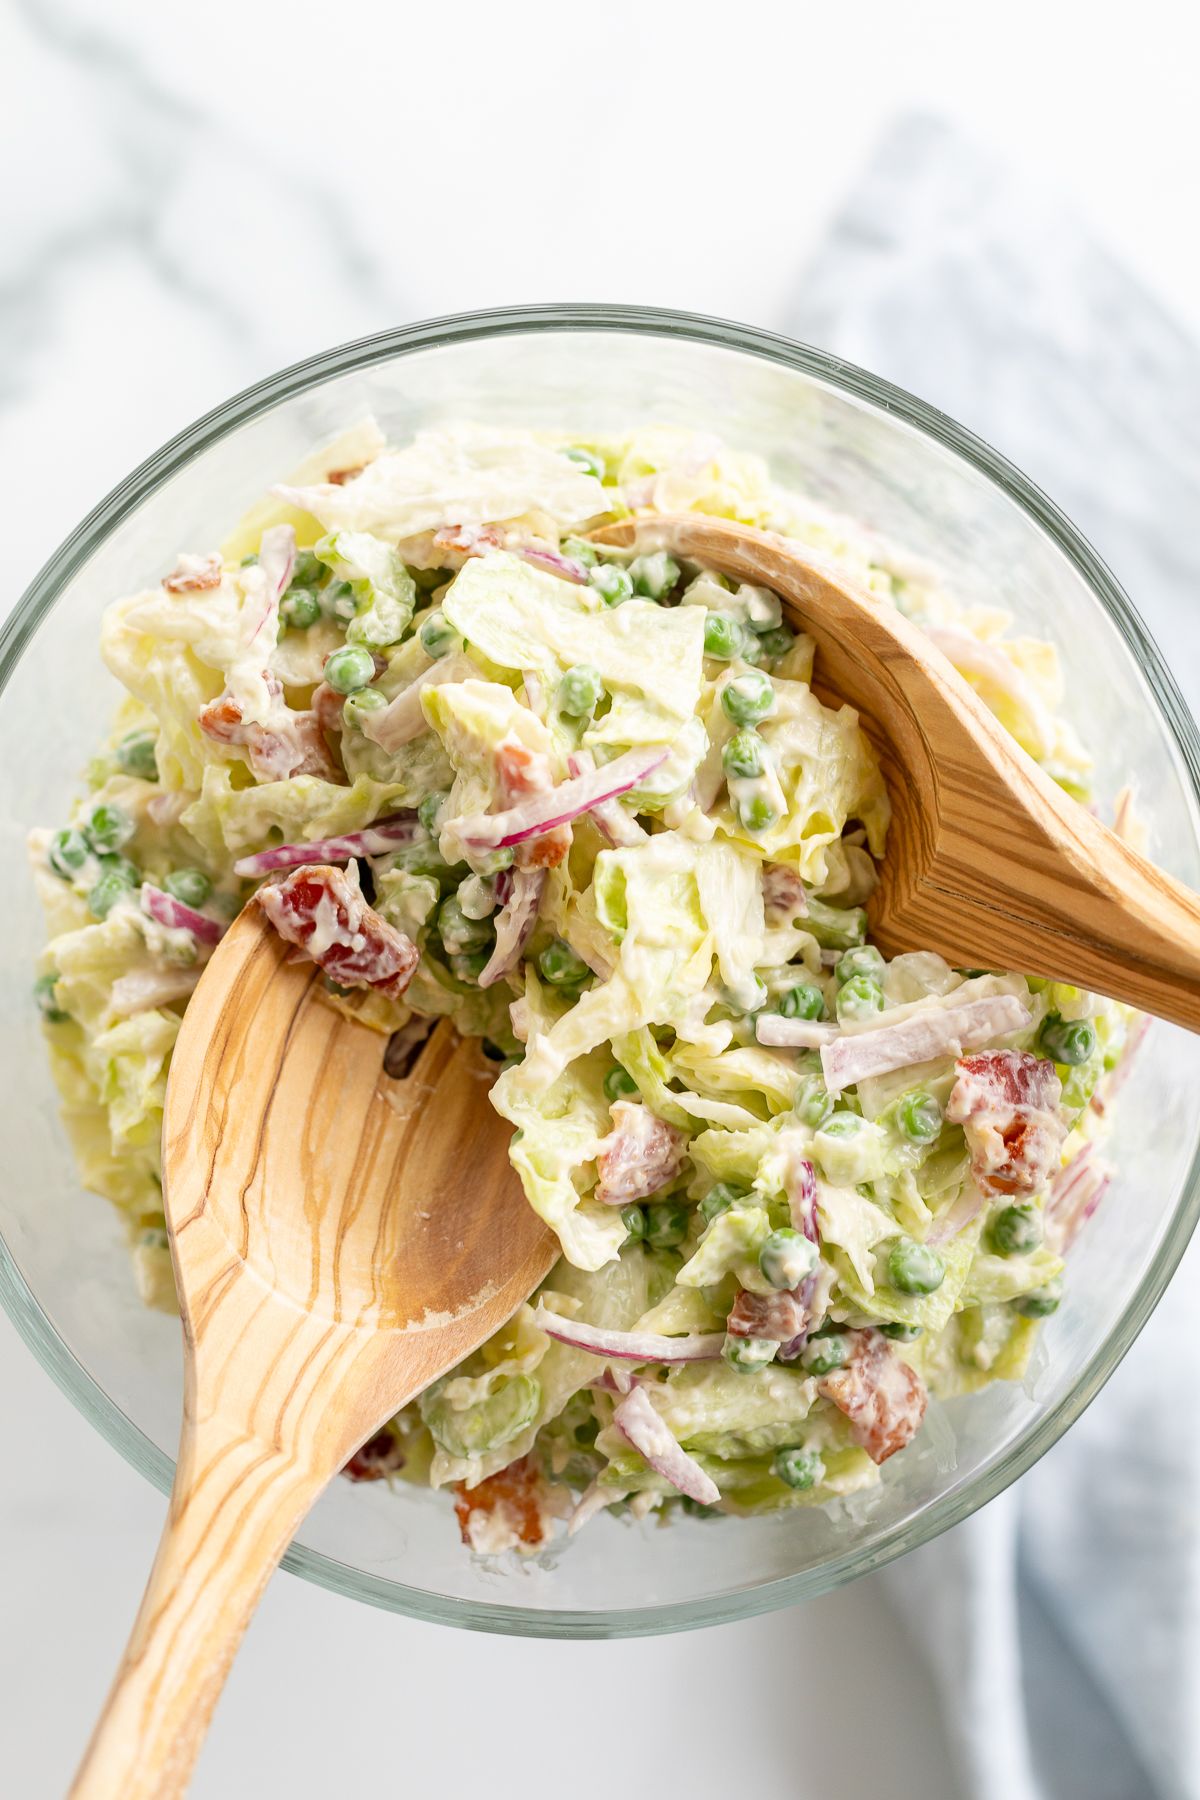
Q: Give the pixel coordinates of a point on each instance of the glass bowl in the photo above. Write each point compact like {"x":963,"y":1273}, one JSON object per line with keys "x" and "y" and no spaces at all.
{"x":860,"y":446}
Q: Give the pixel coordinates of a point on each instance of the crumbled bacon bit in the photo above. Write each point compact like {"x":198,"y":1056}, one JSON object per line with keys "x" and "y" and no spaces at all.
{"x":322,"y":910}
{"x":1007,"y":1103}
{"x":881,"y":1396}
{"x":194,"y":574}
{"x":780,"y":1316}
{"x":785,"y":896}
{"x":640,"y":1155}
{"x":520,"y":772}
{"x":275,"y":752}
{"x":471,"y":540}
{"x":507,"y":1509}
{"x":339,"y":477}
{"x":381,"y":1455}
{"x":327,"y":706}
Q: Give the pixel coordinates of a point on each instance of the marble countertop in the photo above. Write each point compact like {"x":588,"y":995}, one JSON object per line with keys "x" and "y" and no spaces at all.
{"x":198,"y":196}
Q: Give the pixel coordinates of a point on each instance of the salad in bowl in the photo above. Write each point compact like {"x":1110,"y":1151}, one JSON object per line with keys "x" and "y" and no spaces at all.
{"x":584,"y":803}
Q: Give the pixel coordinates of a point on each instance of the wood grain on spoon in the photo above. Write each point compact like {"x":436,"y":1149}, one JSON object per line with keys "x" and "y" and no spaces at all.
{"x":989,"y":861}
{"x":341,"y":1239}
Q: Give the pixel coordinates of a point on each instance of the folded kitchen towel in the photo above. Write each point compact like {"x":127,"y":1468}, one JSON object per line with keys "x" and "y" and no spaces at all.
{"x":1061,"y":1624}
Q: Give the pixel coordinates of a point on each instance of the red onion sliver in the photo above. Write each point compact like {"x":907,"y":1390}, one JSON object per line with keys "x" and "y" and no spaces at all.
{"x":616,"y":823}
{"x":514,"y":922}
{"x":630,"y":1346}
{"x":165,"y":910}
{"x":552,"y":561}
{"x":276,"y":560}
{"x":558,"y":805}
{"x":374,"y":840}
{"x":640,"y":1425}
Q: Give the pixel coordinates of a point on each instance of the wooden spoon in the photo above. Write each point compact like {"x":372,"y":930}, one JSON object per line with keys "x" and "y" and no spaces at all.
{"x":989,"y":861}
{"x":340,"y":1240}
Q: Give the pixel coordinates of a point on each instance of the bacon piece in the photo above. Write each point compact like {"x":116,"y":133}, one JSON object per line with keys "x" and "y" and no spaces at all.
{"x":471,"y":540}
{"x":194,"y":574}
{"x":381,"y":1455}
{"x":881,"y":1396}
{"x":779,"y":1316}
{"x":339,"y":477}
{"x":1007,"y":1102}
{"x":785,"y":896}
{"x":327,"y":706}
{"x":320,"y":909}
{"x":640,"y":1154}
{"x":275,"y":752}
{"x":522,"y":771}
{"x":507,"y":1509}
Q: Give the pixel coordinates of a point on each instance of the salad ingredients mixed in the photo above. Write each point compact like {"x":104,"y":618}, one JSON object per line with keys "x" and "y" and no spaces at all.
{"x":585,"y":804}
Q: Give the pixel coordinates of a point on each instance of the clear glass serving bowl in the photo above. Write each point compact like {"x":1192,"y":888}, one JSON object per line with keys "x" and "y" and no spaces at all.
{"x":864,"y":448}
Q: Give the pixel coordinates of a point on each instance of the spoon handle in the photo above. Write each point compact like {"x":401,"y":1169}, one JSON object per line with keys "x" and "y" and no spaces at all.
{"x":234,"y":1508}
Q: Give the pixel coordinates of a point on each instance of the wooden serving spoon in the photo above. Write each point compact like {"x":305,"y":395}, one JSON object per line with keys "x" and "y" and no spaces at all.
{"x":989,"y":861}
{"x":340,"y":1240}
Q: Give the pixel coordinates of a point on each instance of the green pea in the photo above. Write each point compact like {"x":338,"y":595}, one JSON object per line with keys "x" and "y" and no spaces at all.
{"x":722,"y":637}
{"x":803,"y":1001}
{"x":613,"y":583}
{"x":468,"y":965}
{"x":112,"y":885}
{"x":744,"y":755}
{"x":587,"y":460}
{"x":1016,"y":1230}
{"x":136,"y":755}
{"x":720,"y":1198}
{"x":861,"y":959}
{"x":437,"y":635}
{"x":901,"y":1334}
{"x":68,"y":852}
{"x":842,"y":1125}
{"x":859,"y":998}
{"x":745,"y":1354}
{"x":1039,"y":1303}
{"x":338,"y":599}
{"x":919,"y":1116}
{"x":798,"y":1468}
{"x":299,"y":609}
{"x":619,"y":1083}
{"x":107,"y":828}
{"x":189,"y":886}
{"x":821,"y":1355}
{"x":561,"y":966}
{"x":307,"y":569}
{"x":429,"y":811}
{"x":654,"y":576}
{"x":361,"y":705}
{"x":580,"y":551}
{"x":748,"y":698}
{"x":777,"y":642}
{"x":1069,"y":1041}
{"x":634,"y":1220}
{"x":349,"y":668}
{"x":666,"y":1224}
{"x":757,"y":813}
{"x":45,"y":994}
{"x":914,"y":1268}
{"x":786,"y":1258}
{"x":461,"y":935}
{"x":813,"y":1104}
{"x":579,"y":690}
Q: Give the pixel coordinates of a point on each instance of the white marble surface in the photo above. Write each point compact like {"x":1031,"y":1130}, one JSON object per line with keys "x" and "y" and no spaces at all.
{"x":193,"y":196}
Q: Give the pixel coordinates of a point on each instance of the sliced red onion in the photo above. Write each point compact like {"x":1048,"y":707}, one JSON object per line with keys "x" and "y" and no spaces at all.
{"x":558,"y":805}
{"x":590,"y":1503}
{"x":922,"y":1036}
{"x":614,"y":1381}
{"x":616,"y":823}
{"x":403,"y":718}
{"x":1114,"y":1082}
{"x":630,"y":1346}
{"x":1075,"y":1193}
{"x":276,"y":560}
{"x":554,"y":563}
{"x":800,"y":1034}
{"x":640,"y":1425}
{"x":165,"y":910}
{"x":374,"y":840}
{"x":969,"y":1203}
{"x":801,"y":1187}
{"x":514,"y":922}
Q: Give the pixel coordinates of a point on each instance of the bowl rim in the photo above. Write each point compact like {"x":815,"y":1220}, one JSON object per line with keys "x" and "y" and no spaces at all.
{"x":847,"y":378}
